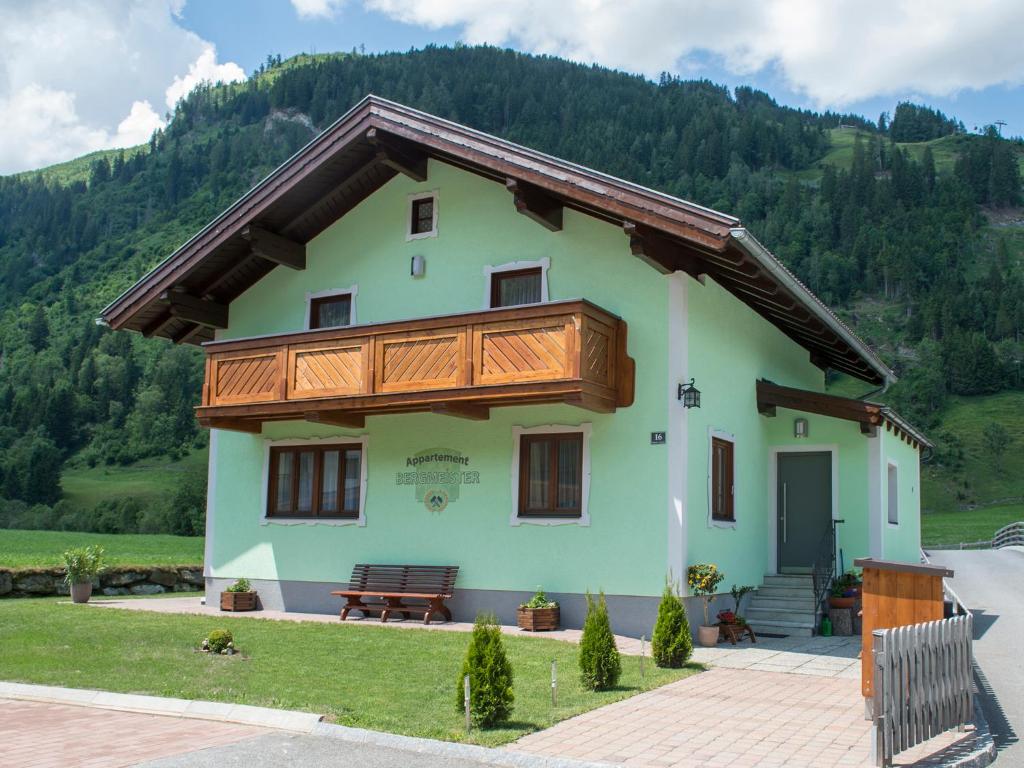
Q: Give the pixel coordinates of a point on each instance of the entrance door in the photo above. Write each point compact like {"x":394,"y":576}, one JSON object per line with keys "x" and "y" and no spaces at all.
{"x":804,"y":507}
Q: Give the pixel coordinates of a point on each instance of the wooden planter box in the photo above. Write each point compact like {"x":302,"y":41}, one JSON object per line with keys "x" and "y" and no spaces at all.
{"x":238,"y":601}
{"x":537,"y":619}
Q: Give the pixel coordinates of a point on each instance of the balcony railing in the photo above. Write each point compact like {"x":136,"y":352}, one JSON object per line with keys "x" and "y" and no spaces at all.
{"x":461,"y":365}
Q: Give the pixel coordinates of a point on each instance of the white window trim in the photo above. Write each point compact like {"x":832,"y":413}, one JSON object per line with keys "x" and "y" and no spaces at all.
{"x":352,"y":290}
{"x":361,"y":440}
{"x":408,"y":216}
{"x":491,"y":269}
{"x":729,"y":438}
{"x":584,"y":518}
{"x":895,"y":465}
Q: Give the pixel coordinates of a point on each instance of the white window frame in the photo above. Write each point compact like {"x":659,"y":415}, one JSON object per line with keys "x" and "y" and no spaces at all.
{"x":514,"y":266}
{"x":584,"y":518}
{"x":728,"y":437}
{"x":408,"y":216}
{"x":352,"y":291}
{"x":892,"y":469}
{"x":360,"y":521}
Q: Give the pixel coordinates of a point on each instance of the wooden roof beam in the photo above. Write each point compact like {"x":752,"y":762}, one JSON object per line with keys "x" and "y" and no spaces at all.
{"x":399,"y":155}
{"x":344,"y":419}
{"x":271,"y":246}
{"x":195,"y":310}
{"x":158,"y":325}
{"x":252,"y":427}
{"x":462,"y":410}
{"x":536,"y":204}
{"x":661,"y":253}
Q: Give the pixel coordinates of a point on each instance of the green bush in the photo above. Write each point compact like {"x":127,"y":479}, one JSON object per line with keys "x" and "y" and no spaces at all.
{"x":82,"y":564}
{"x":599,"y":657}
{"x":241,"y":585}
{"x":218,"y":640}
{"x":671,"y":643}
{"x":490,"y":675}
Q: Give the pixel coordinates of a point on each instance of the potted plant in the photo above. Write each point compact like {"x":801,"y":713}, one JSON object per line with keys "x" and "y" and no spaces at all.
{"x":240,"y":596}
{"x":81,"y":566}
{"x":703,"y":580}
{"x":538,"y":614}
{"x":845,"y":591}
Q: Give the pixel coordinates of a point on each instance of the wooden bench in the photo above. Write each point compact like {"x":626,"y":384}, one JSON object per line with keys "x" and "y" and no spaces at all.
{"x":394,"y":585}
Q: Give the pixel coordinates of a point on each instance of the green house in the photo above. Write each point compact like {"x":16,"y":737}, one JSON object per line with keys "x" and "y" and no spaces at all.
{"x":428,"y":345}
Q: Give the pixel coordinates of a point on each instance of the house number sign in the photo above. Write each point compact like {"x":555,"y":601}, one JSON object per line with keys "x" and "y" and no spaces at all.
{"x":437,"y":475}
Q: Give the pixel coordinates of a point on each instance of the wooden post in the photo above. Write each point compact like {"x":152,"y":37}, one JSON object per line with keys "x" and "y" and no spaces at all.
{"x":877,"y":702}
{"x":465,"y":694}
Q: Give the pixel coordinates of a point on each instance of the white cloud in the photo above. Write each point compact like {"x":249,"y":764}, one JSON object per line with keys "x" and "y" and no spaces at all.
{"x":203,"y":69}
{"x":76,"y":77}
{"x":317,"y":9}
{"x":837,"y":53}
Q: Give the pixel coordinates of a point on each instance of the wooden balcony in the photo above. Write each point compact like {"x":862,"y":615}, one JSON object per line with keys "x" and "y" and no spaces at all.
{"x":460,"y":365}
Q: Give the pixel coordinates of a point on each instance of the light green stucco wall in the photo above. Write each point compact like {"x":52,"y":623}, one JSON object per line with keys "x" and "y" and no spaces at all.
{"x":623,"y":549}
{"x":901,"y":541}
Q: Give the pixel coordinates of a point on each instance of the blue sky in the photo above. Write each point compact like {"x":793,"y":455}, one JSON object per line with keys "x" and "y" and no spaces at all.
{"x":63,"y":93}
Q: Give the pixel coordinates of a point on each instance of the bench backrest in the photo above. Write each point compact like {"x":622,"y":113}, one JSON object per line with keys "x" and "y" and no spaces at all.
{"x":425,"y":579}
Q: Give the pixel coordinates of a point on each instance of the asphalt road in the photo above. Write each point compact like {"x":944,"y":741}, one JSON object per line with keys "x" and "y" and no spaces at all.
{"x":991,"y":584}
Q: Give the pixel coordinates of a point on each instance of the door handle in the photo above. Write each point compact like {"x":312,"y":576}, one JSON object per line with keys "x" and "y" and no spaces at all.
{"x":785,"y":509}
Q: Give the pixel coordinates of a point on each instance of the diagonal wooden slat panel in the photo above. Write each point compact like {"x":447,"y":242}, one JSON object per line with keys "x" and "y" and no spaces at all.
{"x":336,"y":370}
{"x":519,"y":353}
{"x":247,"y":379}
{"x":595,"y":362}
{"x":420,"y":363}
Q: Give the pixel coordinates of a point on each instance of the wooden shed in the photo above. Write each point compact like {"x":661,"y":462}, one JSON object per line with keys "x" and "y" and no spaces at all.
{"x":895,"y":595}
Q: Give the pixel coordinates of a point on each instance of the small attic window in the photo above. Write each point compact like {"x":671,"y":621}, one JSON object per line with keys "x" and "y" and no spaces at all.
{"x":423,"y":216}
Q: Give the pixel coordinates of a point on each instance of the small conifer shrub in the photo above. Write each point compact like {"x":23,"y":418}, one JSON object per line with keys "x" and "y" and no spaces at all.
{"x":671,"y":643}
{"x":600,"y":665}
{"x":490,"y":675}
{"x":219,"y":640}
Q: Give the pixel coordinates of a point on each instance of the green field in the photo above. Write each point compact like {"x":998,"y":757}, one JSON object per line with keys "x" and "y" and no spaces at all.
{"x":952,"y":528}
{"x":41,"y":549}
{"x":397,"y":680}
{"x":147,"y":480}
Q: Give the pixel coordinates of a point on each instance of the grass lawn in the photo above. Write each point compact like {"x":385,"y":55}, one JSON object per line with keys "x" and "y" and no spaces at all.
{"x":41,"y":549}
{"x":396,"y":680}
{"x":147,"y":480}
{"x":970,"y":525}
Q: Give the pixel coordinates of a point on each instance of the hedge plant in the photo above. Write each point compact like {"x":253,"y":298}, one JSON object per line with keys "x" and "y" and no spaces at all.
{"x":490,"y":675}
{"x":600,"y":665}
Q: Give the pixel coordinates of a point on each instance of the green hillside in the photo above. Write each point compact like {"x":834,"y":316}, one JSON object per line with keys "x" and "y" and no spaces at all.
{"x":912,"y":230}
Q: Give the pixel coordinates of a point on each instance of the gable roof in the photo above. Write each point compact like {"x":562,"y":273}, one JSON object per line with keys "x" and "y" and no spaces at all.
{"x":185,"y":296}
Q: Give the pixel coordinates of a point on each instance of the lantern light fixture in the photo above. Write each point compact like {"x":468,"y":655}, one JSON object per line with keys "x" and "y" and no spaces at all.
{"x":689,"y":395}
{"x":800,"y":428}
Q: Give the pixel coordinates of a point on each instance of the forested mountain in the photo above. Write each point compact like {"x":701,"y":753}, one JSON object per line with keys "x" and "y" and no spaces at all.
{"x":917,"y":244}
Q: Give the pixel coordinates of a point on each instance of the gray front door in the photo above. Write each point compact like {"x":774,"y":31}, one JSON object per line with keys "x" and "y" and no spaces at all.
{"x":804,"y":508}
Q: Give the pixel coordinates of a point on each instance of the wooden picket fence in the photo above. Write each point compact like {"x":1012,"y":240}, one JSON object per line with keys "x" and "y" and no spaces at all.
{"x":922,"y":683}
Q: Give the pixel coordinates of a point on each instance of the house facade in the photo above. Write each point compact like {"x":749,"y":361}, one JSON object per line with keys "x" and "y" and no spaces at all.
{"x":427,"y":345}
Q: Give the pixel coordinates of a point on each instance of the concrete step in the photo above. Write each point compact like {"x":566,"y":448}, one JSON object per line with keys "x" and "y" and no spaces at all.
{"x":789,"y":580}
{"x":784,"y":603}
{"x":774,"y":616}
{"x":782,"y":592}
{"x":783,"y":628}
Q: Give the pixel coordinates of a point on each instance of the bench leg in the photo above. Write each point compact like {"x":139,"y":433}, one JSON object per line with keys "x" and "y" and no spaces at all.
{"x":436,"y":605}
{"x":393,"y":604}
{"x":354,"y":604}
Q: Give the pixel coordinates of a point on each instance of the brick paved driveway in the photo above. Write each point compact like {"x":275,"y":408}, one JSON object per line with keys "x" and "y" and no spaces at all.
{"x":37,"y":735}
{"x":737,"y":717}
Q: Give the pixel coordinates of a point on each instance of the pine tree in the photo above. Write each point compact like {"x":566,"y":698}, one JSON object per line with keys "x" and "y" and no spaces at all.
{"x":600,"y":665}
{"x":490,"y":675}
{"x":671,"y":643}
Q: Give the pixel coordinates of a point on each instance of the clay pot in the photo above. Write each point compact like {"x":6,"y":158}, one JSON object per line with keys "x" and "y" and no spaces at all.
{"x":707,"y":636}
{"x":841,"y":602}
{"x":81,"y":592}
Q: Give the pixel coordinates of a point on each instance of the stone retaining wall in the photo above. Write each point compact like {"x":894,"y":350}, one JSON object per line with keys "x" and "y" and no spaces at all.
{"x":119,"y":580}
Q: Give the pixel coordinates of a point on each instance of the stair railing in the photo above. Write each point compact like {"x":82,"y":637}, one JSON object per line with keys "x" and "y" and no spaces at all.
{"x":823,"y":571}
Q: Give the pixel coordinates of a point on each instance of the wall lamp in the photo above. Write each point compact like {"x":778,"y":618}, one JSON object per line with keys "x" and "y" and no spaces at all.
{"x":800,"y":428}
{"x":689,"y":395}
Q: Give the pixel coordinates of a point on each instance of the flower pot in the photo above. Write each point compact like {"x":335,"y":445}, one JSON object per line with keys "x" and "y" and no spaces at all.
{"x":537,"y":619}
{"x":841,"y":602}
{"x":81,"y":591}
{"x":238,"y":601}
{"x":707,"y":636}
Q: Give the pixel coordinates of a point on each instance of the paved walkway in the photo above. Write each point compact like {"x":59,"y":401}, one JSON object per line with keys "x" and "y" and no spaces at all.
{"x":740,"y":718}
{"x":38,"y":735}
{"x":991,"y":583}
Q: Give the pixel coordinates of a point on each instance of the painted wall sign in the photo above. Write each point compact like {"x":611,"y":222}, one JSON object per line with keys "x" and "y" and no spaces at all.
{"x":437,"y":474}
{"x":657,"y":438}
